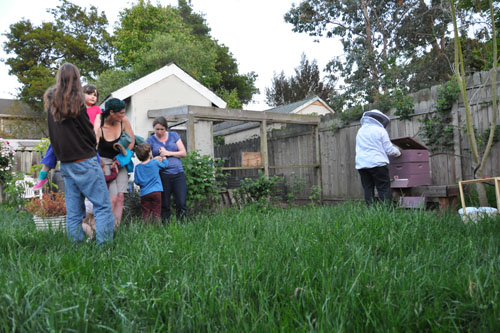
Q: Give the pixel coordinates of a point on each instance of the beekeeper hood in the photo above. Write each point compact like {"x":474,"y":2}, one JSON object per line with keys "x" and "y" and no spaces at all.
{"x":375,"y":117}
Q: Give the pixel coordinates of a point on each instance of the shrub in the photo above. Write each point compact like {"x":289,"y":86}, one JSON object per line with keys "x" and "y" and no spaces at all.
{"x":51,"y":204}
{"x":204,"y":179}
{"x":6,"y":162}
{"x":261,"y":189}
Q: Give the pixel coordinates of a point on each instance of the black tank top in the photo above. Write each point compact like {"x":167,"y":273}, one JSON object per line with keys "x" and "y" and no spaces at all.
{"x":105,"y":148}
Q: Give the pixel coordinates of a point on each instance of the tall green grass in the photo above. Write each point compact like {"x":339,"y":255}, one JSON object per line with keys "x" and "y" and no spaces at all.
{"x":342,"y":268}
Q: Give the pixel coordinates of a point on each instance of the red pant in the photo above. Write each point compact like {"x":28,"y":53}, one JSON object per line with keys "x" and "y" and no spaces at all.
{"x":151,"y":206}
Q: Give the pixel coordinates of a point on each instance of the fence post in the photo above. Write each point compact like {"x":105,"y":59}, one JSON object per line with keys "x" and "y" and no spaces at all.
{"x":263,"y":147}
{"x":318,"y":161}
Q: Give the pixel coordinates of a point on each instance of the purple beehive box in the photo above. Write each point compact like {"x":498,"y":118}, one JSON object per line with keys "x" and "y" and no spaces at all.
{"x":412,"y":167}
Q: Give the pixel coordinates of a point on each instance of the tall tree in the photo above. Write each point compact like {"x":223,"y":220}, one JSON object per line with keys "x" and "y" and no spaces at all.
{"x":139,"y":25}
{"x":382,"y":41}
{"x":36,"y":52}
{"x":192,"y":19}
{"x":150,"y":37}
{"x":306,"y":83}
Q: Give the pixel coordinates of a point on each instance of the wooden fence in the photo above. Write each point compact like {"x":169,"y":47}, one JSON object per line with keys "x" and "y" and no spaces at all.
{"x":294,"y":145}
{"x":337,"y":175}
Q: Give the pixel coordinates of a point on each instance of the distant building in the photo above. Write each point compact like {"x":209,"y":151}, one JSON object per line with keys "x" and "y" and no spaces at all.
{"x":237,"y":131}
{"x":164,"y":88}
{"x":18,"y":121}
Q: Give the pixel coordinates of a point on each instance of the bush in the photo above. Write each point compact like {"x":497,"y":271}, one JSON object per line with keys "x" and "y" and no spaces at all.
{"x":204,"y":180}
{"x":51,"y":204}
{"x":262,"y":189}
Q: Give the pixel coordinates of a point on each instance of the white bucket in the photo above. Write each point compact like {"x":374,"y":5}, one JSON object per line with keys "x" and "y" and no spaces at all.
{"x":474,"y":214}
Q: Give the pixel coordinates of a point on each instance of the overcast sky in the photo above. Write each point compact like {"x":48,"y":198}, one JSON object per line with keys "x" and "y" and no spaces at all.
{"x":254,"y":31}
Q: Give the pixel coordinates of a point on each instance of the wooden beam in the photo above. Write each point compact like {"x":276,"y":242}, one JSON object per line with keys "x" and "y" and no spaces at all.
{"x":294,"y":166}
{"x":273,"y":167}
{"x":241,"y":168}
{"x":481,"y":180}
{"x":263,"y":147}
{"x":204,"y":112}
{"x":190,"y":134}
{"x":319,"y":175}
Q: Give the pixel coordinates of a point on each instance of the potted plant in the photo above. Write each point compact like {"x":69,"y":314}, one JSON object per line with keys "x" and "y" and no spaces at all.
{"x":49,"y":211}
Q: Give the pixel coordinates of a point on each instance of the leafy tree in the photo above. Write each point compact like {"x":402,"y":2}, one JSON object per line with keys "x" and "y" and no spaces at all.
{"x":306,"y":83}
{"x":138,"y":26}
{"x":36,"y":52}
{"x":480,"y":49}
{"x":150,"y":37}
{"x":385,"y":42}
{"x":180,"y":49}
{"x":192,"y":19}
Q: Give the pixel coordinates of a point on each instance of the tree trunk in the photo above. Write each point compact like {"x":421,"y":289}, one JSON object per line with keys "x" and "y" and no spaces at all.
{"x":371,"y":49}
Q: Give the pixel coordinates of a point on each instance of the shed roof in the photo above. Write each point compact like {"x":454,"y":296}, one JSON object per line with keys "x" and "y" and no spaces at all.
{"x":15,"y":108}
{"x":296,"y":107}
{"x":162,"y":73}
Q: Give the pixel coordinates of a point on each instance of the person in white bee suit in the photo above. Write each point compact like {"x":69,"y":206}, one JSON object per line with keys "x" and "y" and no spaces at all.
{"x":372,"y":149}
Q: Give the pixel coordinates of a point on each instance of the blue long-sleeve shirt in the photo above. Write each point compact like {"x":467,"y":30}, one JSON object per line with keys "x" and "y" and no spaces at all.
{"x":147,"y":176}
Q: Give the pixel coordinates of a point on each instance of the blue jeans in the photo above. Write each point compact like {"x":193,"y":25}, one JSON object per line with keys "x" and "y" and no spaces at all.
{"x":176,"y":185}
{"x":82,"y":180}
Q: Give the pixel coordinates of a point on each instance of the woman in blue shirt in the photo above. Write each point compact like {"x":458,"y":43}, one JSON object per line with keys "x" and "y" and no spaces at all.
{"x":168,"y":144}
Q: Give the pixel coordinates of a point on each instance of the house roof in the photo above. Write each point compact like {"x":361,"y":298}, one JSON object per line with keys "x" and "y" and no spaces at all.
{"x":296,"y":107}
{"x":162,"y":73}
{"x":229,"y":127}
{"x":15,"y":108}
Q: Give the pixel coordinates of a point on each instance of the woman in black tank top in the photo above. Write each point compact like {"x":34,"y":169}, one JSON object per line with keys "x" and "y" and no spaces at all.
{"x":105,"y":148}
{"x":113,"y":122}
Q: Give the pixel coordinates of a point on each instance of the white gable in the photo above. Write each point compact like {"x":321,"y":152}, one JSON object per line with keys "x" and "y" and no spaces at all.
{"x":162,"y":73}
{"x":311,"y":102}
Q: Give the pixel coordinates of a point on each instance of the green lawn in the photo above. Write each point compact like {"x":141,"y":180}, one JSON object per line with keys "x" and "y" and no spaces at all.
{"x":343,"y":268}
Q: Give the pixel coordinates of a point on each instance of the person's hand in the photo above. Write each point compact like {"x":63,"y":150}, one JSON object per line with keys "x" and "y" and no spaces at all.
{"x":398,"y":153}
{"x":163,"y":152}
{"x":158,"y":158}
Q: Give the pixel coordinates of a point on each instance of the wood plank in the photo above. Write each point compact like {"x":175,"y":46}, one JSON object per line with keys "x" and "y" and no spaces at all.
{"x":435,"y":191}
{"x":205,"y":112}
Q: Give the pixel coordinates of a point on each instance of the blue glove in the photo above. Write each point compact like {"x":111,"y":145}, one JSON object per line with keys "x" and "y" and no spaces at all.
{"x":125,"y":160}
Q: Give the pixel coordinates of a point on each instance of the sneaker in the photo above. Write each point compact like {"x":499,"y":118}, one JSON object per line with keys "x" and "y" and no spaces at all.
{"x":39,"y":183}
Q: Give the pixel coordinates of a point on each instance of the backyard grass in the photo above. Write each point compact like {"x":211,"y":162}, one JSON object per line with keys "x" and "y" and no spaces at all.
{"x":342,"y":268}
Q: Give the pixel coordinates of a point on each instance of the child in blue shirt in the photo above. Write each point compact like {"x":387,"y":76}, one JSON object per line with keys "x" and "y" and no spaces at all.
{"x":147,"y":176}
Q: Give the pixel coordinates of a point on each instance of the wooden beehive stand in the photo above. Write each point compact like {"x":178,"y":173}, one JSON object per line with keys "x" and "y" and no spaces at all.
{"x":496,"y":180}
{"x":411,"y":179}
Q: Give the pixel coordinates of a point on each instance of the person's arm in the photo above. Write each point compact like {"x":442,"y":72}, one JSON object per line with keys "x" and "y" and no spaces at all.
{"x":128,"y":128}
{"x":97,"y":125}
{"x":163,"y":164}
{"x":98,"y":133}
{"x":180,"y":153}
{"x":389,"y":148}
{"x":136,"y":178}
{"x":112,"y":175}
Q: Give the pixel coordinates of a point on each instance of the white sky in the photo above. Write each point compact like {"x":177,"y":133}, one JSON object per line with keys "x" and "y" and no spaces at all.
{"x":254,"y":31}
